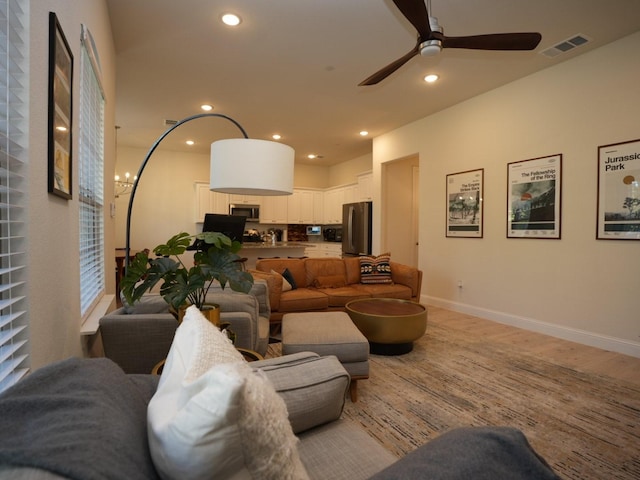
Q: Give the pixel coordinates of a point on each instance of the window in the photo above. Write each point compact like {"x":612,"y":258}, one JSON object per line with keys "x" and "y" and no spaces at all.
{"x":14,"y":48}
{"x":90,"y":177}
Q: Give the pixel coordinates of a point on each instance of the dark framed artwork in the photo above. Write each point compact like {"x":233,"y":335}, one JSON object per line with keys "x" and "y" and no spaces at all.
{"x":465,"y":206}
{"x":534,"y":198}
{"x":619,"y":191}
{"x":60,"y":110}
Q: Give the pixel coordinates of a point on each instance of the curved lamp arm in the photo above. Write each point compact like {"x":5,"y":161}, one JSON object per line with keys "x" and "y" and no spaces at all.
{"x":146,"y":160}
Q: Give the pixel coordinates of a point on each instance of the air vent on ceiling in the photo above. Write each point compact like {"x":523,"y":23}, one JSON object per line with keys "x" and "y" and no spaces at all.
{"x":169,"y":123}
{"x":566,"y":45}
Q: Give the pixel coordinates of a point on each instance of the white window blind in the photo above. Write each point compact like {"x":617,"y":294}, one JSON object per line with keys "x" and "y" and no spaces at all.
{"x":90,"y":177}
{"x":14,"y":83}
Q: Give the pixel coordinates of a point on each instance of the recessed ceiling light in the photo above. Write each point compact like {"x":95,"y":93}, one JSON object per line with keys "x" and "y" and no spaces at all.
{"x":364,"y":133}
{"x":231,"y":19}
{"x":276,"y":136}
{"x":190,"y":142}
{"x":206,"y":107}
{"x":431,"y":78}
{"x":311,"y":156}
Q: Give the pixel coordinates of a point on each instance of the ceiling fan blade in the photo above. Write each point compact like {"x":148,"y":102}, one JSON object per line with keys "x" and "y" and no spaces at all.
{"x":416,"y":12}
{"x":495,"y":41}
{"x":389,"y":69}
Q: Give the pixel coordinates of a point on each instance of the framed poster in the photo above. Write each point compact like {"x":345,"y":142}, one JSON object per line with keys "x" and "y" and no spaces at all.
{"x":60,"y":111}
{"x":619,"y":191}
{"x":465,"y":204}
{"x":533,"y":198}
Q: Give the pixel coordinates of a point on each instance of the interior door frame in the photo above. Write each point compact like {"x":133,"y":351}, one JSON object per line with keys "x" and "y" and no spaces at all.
{"x":388,"y":203}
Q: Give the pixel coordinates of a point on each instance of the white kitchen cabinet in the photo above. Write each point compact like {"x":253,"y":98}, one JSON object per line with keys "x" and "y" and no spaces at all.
{"x":245,"y":199}
{"x":333,"y":249}
{"x":274,"y":209}
{"x":333,"y":200}
{"x":323,"y":250}
{"x":300,"y":207}
{"x":209,"y":202}
{"x":318,"y":206}
{"x":350,"y":194}
{"x":312,"y":251}
{"x":365,"y":187}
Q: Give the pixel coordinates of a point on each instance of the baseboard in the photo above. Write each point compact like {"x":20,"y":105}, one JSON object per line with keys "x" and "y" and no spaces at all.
{"x":566,"y":333}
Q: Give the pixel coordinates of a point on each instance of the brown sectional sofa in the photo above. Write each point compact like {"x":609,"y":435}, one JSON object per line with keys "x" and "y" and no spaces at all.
{"x":326,"y":284}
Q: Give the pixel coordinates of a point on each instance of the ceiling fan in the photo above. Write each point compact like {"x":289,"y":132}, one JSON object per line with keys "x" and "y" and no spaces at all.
{"x":431,"y":40}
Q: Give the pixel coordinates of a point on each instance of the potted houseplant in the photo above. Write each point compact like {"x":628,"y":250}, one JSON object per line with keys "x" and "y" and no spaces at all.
{"x":215,"y":259}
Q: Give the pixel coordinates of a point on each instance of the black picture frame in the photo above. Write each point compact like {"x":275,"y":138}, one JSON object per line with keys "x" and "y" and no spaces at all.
{"x":60,"y":111}
{"x":534,"y":198}
{"x":619,"y":191}
{"x":465,"y":204}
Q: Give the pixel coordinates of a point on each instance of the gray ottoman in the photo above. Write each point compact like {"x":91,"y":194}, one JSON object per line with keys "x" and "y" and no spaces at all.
{"x":328,"y":333}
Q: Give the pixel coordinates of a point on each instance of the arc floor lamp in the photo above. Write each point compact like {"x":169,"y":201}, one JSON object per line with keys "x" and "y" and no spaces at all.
{"x":242,"y":166}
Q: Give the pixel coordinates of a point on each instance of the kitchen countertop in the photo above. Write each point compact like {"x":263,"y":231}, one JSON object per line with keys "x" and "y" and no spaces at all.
{"x":267,"y":245}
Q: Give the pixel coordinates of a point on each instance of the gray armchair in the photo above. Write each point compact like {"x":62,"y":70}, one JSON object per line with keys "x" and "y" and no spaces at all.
{"x":139,"y":337}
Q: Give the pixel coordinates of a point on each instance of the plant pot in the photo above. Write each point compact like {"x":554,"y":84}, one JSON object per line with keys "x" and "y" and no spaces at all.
{"x":211,"y":312}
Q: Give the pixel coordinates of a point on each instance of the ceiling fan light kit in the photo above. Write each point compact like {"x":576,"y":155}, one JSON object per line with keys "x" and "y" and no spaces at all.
{"x":430,"y":48}
{"x":431,"y":39}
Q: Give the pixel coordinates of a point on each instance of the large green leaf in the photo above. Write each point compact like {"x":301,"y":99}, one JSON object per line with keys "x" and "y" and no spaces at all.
{"x":176,"y":245}
{"x":217,"y":261}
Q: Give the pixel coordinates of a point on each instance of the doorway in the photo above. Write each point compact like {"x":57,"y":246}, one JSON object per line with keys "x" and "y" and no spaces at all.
{"x":400,"y":212}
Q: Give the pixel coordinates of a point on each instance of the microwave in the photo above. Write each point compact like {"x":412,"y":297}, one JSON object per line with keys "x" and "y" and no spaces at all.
{"x":252,"y":212}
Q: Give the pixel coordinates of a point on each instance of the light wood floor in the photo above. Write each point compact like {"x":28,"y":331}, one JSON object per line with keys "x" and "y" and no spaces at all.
{"x":574,"y":355}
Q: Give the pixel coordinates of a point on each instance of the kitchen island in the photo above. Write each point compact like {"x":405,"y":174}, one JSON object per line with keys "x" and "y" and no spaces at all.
{"x":252,"y":251}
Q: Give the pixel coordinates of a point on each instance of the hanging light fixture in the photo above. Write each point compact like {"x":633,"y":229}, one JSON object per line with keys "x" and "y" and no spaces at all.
{"x":123,"y":187}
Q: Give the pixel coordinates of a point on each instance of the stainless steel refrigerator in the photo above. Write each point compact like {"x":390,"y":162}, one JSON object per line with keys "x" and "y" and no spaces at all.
{"x":356,"y":229}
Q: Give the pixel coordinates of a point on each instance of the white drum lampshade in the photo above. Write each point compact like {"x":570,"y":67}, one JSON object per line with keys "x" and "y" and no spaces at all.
{"x":249,"y":166}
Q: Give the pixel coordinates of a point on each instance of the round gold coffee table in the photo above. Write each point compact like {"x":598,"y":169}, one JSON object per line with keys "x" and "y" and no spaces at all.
{"x":390,"y":324}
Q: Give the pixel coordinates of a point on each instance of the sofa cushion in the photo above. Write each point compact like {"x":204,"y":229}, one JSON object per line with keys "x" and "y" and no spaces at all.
{"x":339,"y":297}
{"x":312,"y":387}
{"x":149,"y":303}
{"x":352,"y":269}
{"x":325,"y":268}
{"x":75,"y":418}
{"x":213,"y":417}
{"x":303,"y":299}
{"x":329,"y":281}
{"x":342,"y":450}
{"x":375,"y":269}
{"x":384,"y":290}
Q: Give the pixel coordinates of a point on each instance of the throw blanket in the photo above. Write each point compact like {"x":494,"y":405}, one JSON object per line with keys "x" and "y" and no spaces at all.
{"x":82,"y":419}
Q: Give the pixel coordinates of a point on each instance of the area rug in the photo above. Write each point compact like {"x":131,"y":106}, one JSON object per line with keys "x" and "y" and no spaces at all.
{"x":586,"y":426}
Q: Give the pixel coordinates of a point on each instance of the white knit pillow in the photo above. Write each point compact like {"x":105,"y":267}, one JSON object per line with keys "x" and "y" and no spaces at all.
{"x":212,"y":417}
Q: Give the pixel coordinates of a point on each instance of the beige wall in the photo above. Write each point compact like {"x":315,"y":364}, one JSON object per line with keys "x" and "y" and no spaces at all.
{"x":577,"y":287}
{"x":310,"y":176}
{"x":165,"y":199}
{"x":347,"y":172}
{"x":54,"y":305}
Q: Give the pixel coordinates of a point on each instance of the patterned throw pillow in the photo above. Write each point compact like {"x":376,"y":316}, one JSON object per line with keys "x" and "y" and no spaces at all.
{"x":375,"y":269}
{"x":288,"y":276}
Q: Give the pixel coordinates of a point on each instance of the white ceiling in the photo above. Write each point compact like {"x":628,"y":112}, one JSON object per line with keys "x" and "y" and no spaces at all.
{"x":292,"y":66}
